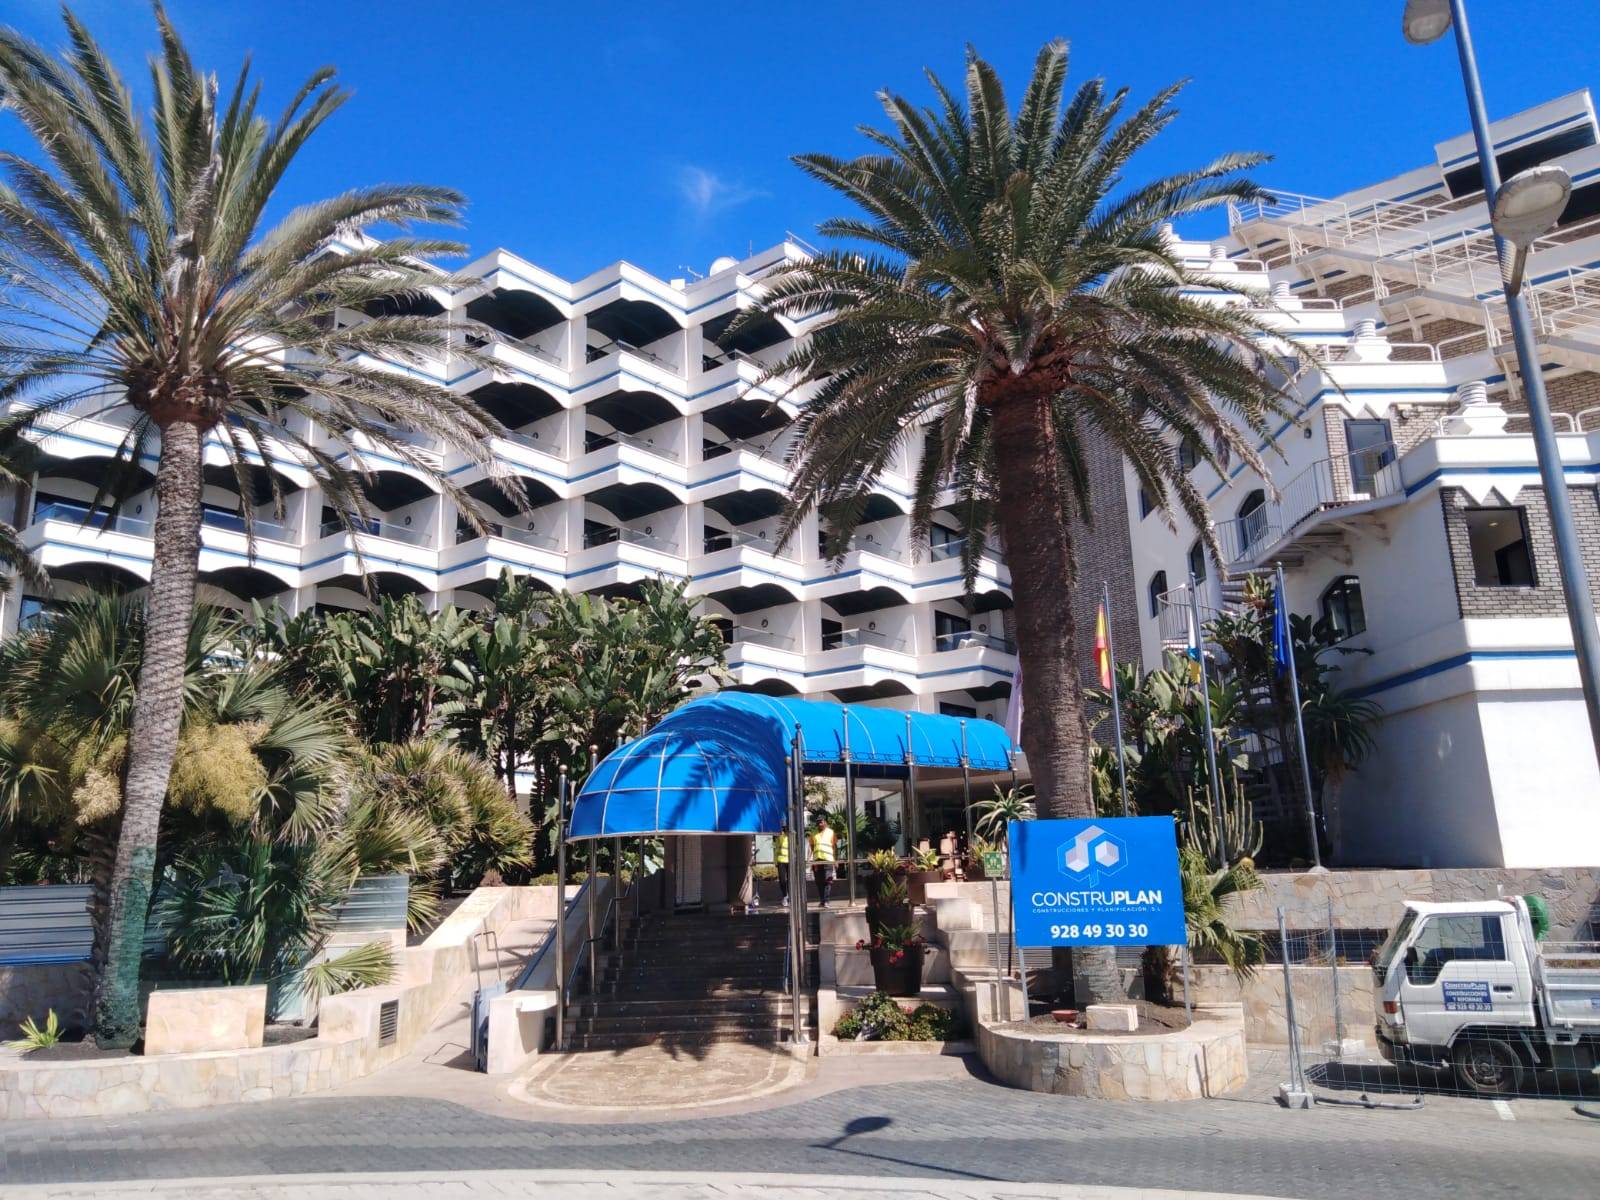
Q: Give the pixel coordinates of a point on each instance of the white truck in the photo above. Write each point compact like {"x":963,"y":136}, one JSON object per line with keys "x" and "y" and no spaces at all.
{"x":1467,"y":985}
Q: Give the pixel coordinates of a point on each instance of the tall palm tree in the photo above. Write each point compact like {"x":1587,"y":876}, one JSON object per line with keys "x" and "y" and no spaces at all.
{"x":1005,"y":300}
{"x":140,"y":273}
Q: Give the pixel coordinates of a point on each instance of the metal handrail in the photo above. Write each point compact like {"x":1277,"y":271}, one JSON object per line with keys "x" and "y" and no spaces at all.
{"x":524,"y":975}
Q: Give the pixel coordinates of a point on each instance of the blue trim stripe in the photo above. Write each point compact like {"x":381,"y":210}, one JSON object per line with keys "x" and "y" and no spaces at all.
{"x":1461,"y":660}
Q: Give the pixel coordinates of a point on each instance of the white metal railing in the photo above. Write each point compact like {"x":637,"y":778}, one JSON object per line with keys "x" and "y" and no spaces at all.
{"x":413,"y":535}
{"x":738,"y":538}
{"x":837,"y":639}
{"x":1362,"y":475}
{"x":1175,"y":614}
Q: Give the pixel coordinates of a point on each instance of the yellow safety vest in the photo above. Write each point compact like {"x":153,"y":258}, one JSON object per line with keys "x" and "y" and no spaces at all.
{"x":780,"y":848}
{"x":822,"y":844}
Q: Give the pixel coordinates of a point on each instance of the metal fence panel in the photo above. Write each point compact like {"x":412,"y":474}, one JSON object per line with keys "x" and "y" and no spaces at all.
{"x":45,"y":923}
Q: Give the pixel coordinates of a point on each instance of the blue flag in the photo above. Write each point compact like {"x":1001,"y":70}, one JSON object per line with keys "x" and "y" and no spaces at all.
{"x":1282,"y":643}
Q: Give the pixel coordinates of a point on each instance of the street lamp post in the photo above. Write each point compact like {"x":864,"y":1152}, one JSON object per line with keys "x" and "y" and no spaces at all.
{"x":1526,"y":208}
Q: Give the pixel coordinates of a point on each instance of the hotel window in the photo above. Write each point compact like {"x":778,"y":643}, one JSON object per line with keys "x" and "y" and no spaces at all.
{"x":1342,"y":608}
{"x":1498,"y":538}
{"x":1158,"y":589}
{"x":1188,"y":456}
{"x":1146,"y":505}
{"x":1197,"y":561}
{"x":946,"y":709}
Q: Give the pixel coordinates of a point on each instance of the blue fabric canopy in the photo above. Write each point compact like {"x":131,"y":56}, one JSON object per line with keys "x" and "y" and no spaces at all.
{"x":716,"y":765}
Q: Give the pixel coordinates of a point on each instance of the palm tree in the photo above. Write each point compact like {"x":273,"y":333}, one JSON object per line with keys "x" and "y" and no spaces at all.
{"x":1007,"y":303}
{"x":140,"y":274}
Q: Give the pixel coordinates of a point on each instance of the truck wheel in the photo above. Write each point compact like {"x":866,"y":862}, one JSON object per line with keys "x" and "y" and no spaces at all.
{"x":1487,"y":1066}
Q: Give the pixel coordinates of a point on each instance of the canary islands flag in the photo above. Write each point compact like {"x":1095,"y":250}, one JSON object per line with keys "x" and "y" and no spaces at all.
{"x":1102,"y":649}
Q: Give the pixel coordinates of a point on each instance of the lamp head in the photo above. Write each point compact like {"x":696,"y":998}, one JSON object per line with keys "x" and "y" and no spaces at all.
{"x":1425,"y":21}
{"x":1530,"y":203}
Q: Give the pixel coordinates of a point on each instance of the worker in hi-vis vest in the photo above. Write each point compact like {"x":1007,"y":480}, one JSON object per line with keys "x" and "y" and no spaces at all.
{"x":822,"y":858}
{"x":780,"y":858}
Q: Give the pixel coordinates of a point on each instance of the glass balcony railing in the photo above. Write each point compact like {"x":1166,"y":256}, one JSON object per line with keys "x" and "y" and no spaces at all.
{"x":940,"y":551}
{"x":971,"y":637}
{"x":737,"y":539}
{"x":550,"y":447}
{"x":413,"y":535}
{"x":838,"y":638}
{"x":595,"y":440}
{"x":525,"y":537}
{"x":80,"y":514}
{"x":760,"y":637}
{"x":271,"y":530}
{"x":633,"y":537}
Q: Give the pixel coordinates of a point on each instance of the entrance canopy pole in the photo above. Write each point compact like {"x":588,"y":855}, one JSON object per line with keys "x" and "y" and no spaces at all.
{"x":966,"y":783}
{"x":911,"y":789}
{"x":561,"y":911}
{"x":849,"y":810}
{"x":593,"y":894}
{"x":798,"y":850}
{"x":794,"y":941}
{"x":616,"y":893}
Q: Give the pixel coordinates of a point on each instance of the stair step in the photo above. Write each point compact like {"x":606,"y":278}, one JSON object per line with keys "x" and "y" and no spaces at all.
{"x":763,"y":1003}
{"x":721,"y":1023}
{"x":625,"y":1041}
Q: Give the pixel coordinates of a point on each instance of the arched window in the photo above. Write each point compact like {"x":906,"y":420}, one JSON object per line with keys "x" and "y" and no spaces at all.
{"x":1158,"y":589}
{"x":1188,"y":456}
{"x":1342,"y":608}
{"x":1197,"y":560}
{"x":1253,"y":518}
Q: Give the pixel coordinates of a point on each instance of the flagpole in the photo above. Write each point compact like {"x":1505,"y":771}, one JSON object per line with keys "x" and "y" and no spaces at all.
{"x":1116,"y":698}
{"x":1205,"y":701}
{"x":1281,"y":608}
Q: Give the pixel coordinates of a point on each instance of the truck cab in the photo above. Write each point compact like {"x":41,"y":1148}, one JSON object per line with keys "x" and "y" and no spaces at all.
{"x":1465,"y":985}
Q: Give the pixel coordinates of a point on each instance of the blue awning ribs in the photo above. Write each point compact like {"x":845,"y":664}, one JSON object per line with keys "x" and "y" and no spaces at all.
{"x":717,"y":765}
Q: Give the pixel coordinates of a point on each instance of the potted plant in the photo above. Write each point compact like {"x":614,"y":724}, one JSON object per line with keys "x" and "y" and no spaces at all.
{"x":888,"y":901}
{"x":922,"y":869}
{"x":986,"y":860}
{"x":896,"y":952}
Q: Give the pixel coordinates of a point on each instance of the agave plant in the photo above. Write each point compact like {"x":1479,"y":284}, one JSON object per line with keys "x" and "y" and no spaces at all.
{"x":994,"y":815}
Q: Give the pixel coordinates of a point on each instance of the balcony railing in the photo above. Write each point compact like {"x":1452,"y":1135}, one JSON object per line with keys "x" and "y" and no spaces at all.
{"x":711,"y":448}
{"x":233,"y":522}
{"x":737,"y":538}
{"x":633,"y":537}
{"x":525,"y":537}
{"x":594,"y":440}
{"x":1343,"y":479}
{"x":972,"y":637}
{"x":552,"y":448}
{"x":870,"y":545}
{"x":417,"y":535}
{"x":760,"y":637}
{"x":79,"y":514}
{"x":837,"y":638}
{"x":940,"y":551}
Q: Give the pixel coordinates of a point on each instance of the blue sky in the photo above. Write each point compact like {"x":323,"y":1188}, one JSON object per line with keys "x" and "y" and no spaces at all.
{"x":661,"y":132}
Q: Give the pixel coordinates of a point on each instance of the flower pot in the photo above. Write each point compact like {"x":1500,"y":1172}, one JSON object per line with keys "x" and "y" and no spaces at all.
{"x":917,"y":884}
{"x":903,"y":978}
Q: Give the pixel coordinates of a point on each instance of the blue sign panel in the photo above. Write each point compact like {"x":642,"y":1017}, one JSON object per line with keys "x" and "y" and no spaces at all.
{"x":1467,"y":996}
{"x":1109,"y":881}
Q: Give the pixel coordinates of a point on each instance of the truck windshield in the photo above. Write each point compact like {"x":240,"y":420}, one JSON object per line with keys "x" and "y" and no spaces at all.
{"x":1397,"y":938}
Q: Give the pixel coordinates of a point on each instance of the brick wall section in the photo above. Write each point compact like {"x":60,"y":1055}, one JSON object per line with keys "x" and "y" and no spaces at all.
{"x":1437,"y":332}
{"x":1544,"y":599}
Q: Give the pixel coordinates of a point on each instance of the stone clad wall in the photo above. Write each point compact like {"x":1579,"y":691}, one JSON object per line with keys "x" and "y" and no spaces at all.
{"x":345,"y":1048}
{"x":1373,"y":899}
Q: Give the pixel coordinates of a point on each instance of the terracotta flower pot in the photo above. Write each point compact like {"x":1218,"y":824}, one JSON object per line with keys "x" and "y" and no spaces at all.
{"x":898,"y":978}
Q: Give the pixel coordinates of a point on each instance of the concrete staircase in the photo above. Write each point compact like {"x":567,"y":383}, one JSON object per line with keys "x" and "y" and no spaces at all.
{"x":692,"y":979}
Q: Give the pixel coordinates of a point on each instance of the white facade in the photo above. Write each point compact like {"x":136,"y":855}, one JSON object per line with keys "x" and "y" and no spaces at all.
{"x":646,"y":451}
{"x":1391,"y":296}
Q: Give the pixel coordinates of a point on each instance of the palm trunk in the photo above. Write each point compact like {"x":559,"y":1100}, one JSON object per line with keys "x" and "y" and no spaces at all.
{"x":1036,"y":527}
{"x":153,"y":735}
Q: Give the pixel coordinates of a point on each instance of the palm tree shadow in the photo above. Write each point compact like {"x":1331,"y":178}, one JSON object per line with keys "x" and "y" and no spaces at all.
{"x":865,"y":1125}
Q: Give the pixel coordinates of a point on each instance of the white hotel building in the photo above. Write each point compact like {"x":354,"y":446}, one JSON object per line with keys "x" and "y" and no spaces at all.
{"x":646,"y":452}
{"x":1407,"y":506}
{"x":1409,"y":511}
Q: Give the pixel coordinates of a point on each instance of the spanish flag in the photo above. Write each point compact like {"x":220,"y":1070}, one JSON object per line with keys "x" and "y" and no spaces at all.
{"x":1102,"y":649}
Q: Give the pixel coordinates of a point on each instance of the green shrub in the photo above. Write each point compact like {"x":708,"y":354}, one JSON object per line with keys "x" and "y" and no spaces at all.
{"x":930,"y":1023}
{"x":37,"y":1037}
{"x":876,"y":1019}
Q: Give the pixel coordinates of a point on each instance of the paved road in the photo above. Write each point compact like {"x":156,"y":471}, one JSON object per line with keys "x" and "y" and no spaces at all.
{"x":958,"y":1129}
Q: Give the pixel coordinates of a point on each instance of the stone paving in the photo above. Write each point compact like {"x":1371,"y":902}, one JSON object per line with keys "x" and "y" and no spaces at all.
{"x":659,"y":1077}
{"x":553,"y":1185}
{"x":959,"y":1128}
